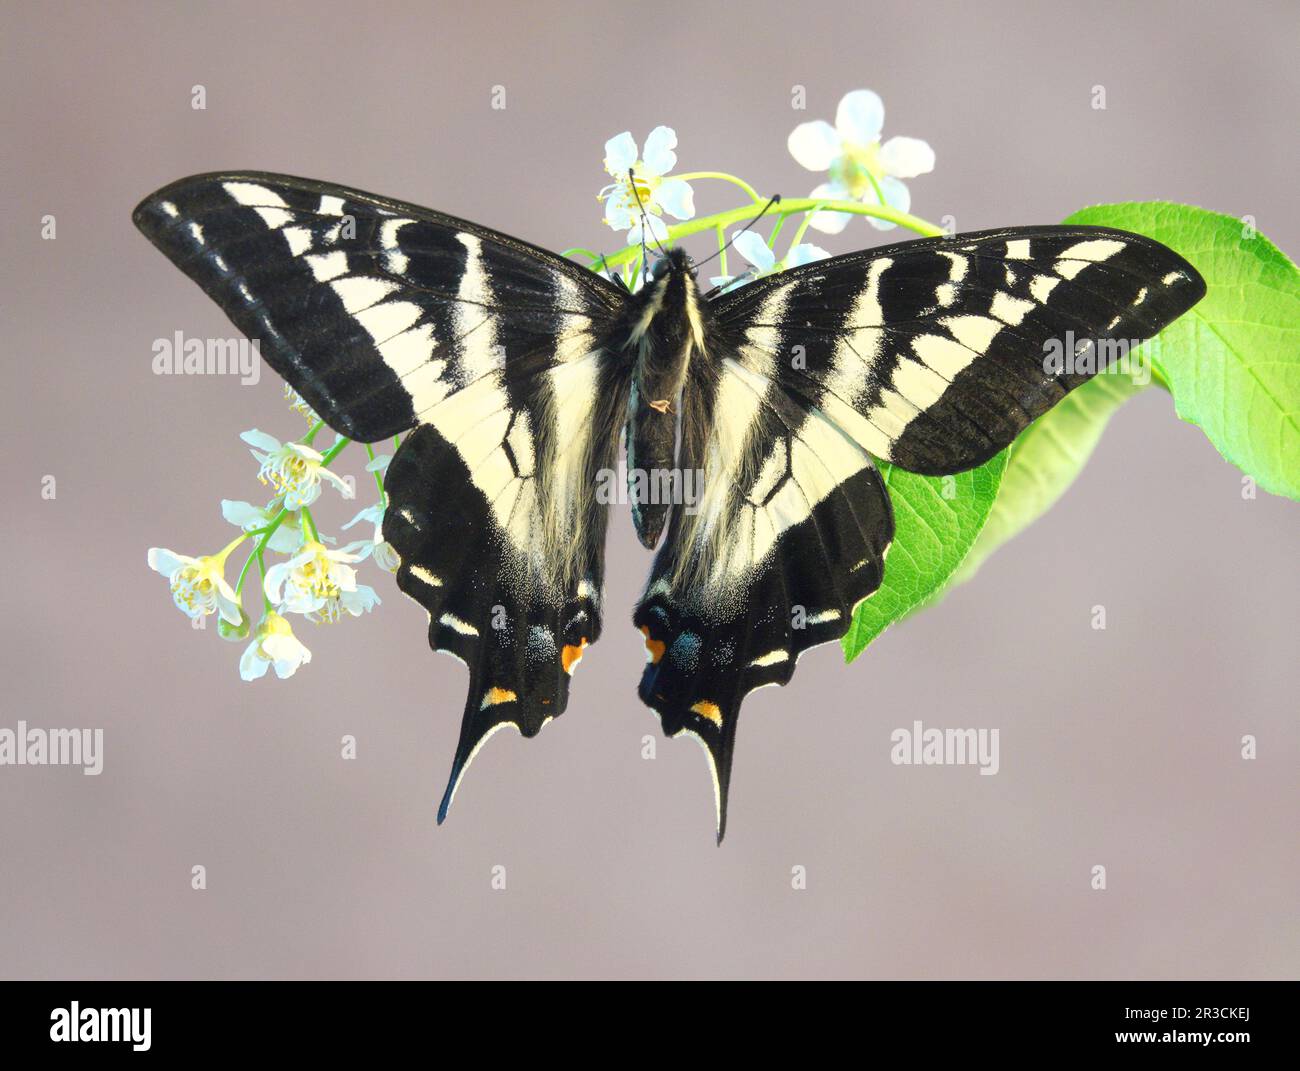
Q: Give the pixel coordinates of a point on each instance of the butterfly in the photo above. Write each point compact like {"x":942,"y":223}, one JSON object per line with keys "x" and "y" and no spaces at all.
{"x":514,"y":375}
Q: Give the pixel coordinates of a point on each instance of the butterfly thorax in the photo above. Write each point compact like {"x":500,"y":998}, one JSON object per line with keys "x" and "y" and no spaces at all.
{"x":666,"y":328}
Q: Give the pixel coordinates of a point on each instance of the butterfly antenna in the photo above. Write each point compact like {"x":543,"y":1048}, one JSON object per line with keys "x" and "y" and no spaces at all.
{"x":645,"y":222}
{"x":775,"y":200}
{"x":611,"y":276}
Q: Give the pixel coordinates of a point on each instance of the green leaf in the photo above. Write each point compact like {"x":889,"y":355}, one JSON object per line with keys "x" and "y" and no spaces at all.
{"x":1045,"y":459}
{"x":937,"y":520}
{"x":1233,"y":362}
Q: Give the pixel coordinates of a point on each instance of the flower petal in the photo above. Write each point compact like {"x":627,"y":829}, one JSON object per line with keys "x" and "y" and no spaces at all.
{"x":275,"y":578}
{"x":344,"y":488}
{"x":167,"y":562}
{"x":897,"y":196}
{"x":860,"y":117}
{"x":906,"y":157}
{"x":805,"y":253}
{"x":261,"y":439}
{"x":360,"y":601}
{"x":251,"y":664}
{"x":676,"y":197}
{"x":814,"y":145}
{"x":302,"y":495}
{"x":227,"y":603}
{"x":620,"y":217}
{"x":659,"y":157}
{"x":386,"y":556}
{"x":243,"y":514}
{"x":380,"y":463}
{"x":829,"y":222}
{"x":287,"y":539}
{"x":374,"y":514}
{"x":620,"y":153}
{"x":658,"y":228}
{"x":287,"y":653}
{"x":754,"y":249}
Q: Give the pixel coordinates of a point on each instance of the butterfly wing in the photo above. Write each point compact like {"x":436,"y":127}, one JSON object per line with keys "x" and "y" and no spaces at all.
{"x":935,"y":354}
{"x":788,"y":536}
{"x":932,"y":355}
{"x":390,"y":318}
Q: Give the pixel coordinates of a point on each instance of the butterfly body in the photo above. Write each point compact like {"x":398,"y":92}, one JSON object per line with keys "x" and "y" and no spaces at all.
{"x":667,"y":326}
{"x":514,"y":374}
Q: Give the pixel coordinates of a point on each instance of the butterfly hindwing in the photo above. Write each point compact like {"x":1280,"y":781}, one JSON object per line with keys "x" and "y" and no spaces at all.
{"x":512,"y":588}
{"x":390,"y":318}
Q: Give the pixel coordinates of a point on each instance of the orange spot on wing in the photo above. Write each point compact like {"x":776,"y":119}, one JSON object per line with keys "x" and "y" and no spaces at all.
{"x":705,"y":709}
{"x":495,"y":696}
{"x":655,"y":647}
{"x":571,"y":655}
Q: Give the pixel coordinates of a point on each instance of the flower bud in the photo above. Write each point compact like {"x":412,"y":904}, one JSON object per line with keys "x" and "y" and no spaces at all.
{"x":234,"y":633}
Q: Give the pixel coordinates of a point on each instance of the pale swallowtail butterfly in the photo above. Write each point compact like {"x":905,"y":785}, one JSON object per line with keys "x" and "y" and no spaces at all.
{"x":512,"y":373}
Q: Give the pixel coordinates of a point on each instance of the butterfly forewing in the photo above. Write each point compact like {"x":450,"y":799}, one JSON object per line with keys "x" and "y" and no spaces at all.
{"x":935,"y":354}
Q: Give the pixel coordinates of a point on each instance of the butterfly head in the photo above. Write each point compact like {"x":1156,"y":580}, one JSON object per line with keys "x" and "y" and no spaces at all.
{"x":675,"y":259}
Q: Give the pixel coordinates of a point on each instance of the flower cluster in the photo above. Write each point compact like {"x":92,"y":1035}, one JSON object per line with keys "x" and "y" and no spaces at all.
{"x":313,"y":580}
{"x":864,"y":176}
{"x":318,"y":581}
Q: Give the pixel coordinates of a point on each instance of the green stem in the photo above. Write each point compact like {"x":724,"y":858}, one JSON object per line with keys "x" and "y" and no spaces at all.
{"x":239,"y":584}
{"x":311,"y":432}
{"x":379,"y":480}
{"x":224,"y":552}
{"x":691,"y":176}
{"x":803,"y":229}
{"x":776,"y":230}
{"x":578,"y":251}
{"x":308,"y":525}
{"x":722,"y":251}
{"x":267,"y":606}
{"x":803,"y":204}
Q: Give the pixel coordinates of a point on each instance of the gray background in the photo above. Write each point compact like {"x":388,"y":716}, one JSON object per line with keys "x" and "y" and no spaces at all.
{"x":1118,"y":747}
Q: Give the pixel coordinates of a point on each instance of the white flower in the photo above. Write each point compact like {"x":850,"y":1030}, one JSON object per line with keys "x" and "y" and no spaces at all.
{"x":274,"y":644}
{"x":320,"y":582}
{"x":198,"y":585}
{"x":861,"y":168}
{"x":752,"y":247}
{"x":654,"y":194}
{"x":385,"y":556}
{"x":286,"y":539}
{"x":293,"y":470}
{"x":299,"y":404}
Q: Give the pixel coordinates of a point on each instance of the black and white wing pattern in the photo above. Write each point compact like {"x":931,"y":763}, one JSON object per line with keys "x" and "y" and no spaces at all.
{"x":390,"y":318}
{"x":932,"y":355}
